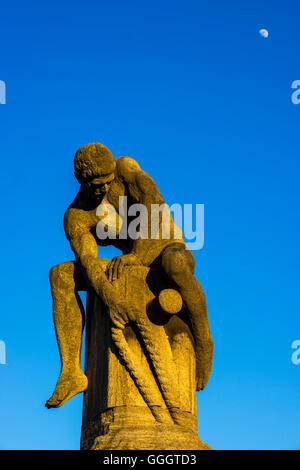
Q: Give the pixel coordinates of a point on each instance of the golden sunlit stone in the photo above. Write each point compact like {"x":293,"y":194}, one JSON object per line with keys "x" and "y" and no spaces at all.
{"x":148,"y":344}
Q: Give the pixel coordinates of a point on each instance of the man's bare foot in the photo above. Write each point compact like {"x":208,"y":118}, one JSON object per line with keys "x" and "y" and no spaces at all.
{"x":67,"y":386}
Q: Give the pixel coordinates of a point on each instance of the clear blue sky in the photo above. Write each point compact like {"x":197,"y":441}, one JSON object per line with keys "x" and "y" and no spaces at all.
{"x":203,"y":102}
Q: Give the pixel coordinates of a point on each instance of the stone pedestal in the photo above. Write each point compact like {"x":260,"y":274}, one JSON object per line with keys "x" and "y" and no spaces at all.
{"x":115,"y":415}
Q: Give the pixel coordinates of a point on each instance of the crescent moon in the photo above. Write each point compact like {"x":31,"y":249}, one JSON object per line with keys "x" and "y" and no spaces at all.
{"x":264,"y":33}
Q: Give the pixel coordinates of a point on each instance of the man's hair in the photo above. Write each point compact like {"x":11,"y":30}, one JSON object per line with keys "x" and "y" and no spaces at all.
{"x":93,"y":160}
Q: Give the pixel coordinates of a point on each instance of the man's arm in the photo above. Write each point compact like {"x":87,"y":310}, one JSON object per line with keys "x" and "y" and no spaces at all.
{"x":148,"y":196}
{"x":85,"y":249}
{"x":144,"y":191}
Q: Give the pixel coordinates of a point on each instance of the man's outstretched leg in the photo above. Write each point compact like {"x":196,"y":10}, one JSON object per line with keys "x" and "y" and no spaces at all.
{"x":178,"y":264}
{"x":66,"y":280}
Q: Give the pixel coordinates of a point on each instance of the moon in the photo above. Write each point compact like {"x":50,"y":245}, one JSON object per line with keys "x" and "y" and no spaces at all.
{"x":264,"y":33}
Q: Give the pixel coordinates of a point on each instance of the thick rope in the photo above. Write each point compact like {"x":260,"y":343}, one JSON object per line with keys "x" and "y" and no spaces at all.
{"x":154,"y":337}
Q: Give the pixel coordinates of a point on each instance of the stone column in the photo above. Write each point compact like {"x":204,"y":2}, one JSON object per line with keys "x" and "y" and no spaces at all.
{"x":115,"y":414}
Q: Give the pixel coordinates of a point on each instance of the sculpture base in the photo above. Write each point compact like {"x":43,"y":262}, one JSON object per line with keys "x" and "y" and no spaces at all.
{"x":115,"y":414}
{"x":155,"y":437}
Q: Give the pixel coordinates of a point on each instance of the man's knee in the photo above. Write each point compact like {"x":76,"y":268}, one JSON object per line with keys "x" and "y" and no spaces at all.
{"x":61,"y":275}
{"x":178,"y":262}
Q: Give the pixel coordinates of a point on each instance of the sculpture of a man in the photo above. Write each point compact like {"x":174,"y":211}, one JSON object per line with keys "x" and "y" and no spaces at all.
{"x":104,"y":180}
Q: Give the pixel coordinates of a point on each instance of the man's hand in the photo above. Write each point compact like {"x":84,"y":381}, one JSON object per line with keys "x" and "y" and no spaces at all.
{"x":115,"y":267}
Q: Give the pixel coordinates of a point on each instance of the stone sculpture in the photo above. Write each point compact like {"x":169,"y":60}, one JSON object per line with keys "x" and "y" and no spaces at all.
{"x":148,"y":343}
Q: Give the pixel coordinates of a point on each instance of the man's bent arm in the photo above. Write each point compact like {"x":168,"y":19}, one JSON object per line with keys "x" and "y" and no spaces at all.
{"x":85,"y":249}
{"x":144,"y":191}
{"x":149,"y":195}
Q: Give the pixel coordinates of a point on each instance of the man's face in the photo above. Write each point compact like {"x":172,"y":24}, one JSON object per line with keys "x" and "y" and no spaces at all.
{"x":98,"y":186}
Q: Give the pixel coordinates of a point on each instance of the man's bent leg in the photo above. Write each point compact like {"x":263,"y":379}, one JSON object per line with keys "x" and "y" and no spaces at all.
{"x":178,"y":263}
{"x":66,"y":280}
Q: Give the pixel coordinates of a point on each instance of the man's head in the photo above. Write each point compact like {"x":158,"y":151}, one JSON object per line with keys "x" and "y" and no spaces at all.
{"x":95,"y":169}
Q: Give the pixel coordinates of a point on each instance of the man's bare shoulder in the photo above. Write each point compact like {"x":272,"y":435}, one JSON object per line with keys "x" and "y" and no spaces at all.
{"x":76,"y":221}
{"x":130,"y":172}
{"x":127,"y":169}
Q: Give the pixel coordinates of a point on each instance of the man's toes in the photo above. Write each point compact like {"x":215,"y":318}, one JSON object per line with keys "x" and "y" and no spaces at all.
{"x":57,"y":397}
{"x":51,"y":403}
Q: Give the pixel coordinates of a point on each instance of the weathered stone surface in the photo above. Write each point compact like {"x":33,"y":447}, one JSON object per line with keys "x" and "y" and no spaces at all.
{"x":148,"y":345}
{"x":115,"y":414}
{"x":156,"y":437}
